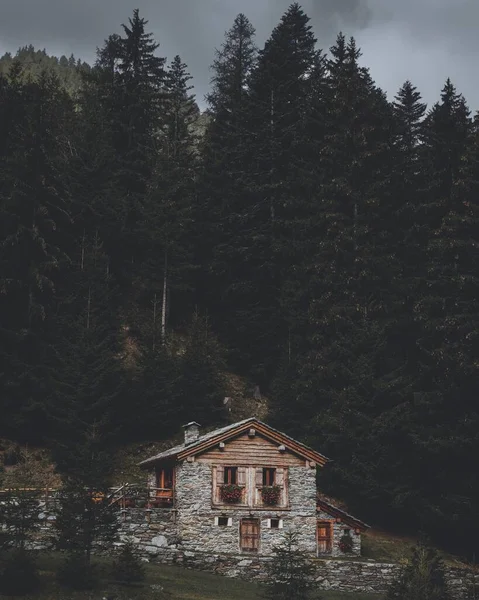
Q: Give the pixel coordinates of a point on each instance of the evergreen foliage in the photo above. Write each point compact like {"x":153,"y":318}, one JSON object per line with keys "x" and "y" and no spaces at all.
{"x":289,"y":571}
{"x":330,"y":236}
{"x":128,"y":568}
{"x":35,"y":62}
{"x":422,"y":579}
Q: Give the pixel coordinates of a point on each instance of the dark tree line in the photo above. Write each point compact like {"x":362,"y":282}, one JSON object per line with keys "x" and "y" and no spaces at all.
{"x":327,"y":236}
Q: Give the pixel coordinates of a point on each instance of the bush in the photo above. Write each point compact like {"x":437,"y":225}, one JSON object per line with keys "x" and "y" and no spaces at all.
{"x":289,"y":572}
{"x":128,"y":568}
{"x":422,"y":579}
{"x":77,"y":573}
{"x":18,"y":574}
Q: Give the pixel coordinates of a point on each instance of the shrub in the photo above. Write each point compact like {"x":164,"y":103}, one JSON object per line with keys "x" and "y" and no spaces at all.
{"x":422,"y":578}
{"x":18,"y":574}
{"x":128,"y":568}
{"x":289,"y":572}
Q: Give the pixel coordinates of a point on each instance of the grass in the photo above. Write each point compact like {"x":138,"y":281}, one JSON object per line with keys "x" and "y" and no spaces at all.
{"x":164,"y":583}
{"x":383,"y":546}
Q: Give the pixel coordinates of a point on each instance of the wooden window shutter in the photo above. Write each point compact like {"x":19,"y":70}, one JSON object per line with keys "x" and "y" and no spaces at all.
{"x":241,"y":475}
{"x":280,"y":476}
{"x":220,"y":475}
{"x":259,"y":477}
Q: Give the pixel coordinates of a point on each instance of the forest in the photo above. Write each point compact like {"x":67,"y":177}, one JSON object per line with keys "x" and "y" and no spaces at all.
{"x":305,"y":233}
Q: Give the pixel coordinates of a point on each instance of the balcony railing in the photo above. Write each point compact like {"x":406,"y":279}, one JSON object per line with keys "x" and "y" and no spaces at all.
{"x":128,"y":495}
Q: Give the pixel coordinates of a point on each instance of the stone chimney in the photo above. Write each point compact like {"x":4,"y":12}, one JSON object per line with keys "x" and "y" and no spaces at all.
{"x":192,"y":432}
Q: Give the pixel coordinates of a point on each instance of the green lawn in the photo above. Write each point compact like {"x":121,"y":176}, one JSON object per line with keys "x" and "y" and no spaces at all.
{"x":165,"y":583}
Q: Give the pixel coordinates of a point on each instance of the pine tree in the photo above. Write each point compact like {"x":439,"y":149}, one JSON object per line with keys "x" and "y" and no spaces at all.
{"x":277,"y":101}
{"x":202,"y":374}
{"x":169,"y":210}
{"x":35,"y":204}
{"x":85,"y":365}
{"x":128,"y":568}
{"x":422,"y":579}
{"x":290,"y":571}
{"x":223,"y":179}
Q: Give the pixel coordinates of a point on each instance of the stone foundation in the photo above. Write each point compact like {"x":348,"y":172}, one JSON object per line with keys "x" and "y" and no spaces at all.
{"x":159,"y":540}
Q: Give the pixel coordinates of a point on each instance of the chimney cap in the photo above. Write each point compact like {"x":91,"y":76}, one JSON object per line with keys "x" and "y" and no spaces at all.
{"x":190,"y":424}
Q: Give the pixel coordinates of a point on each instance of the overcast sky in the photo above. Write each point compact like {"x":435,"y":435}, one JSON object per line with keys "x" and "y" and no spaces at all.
{"x":425,"y":41}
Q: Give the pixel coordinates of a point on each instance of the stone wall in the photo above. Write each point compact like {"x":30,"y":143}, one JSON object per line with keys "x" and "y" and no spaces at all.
{"x":343,"y":575}
{"x":157,"y":536}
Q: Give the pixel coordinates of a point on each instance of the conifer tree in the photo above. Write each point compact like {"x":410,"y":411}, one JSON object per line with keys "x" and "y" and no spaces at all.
{"x":35,"y":205}
{"x":422,"y":579}
{"x":277,"y":101}
{"x":223,"y":177}
{"x":202,"y":374}
{"x":168,"y":214}
{"x":289,"y":571}
{"x":85,"y":366}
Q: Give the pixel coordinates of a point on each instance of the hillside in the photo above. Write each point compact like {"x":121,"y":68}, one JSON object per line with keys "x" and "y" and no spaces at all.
{"x":308,"y":234}
{"x":168,"y":583}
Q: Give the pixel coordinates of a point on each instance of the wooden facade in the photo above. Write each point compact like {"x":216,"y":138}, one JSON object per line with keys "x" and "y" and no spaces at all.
{"x":251,"y":451}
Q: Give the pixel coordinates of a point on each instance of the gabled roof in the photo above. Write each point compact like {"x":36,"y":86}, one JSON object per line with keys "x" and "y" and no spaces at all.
{"x":209,"y":440}
{"x":334,"y":511}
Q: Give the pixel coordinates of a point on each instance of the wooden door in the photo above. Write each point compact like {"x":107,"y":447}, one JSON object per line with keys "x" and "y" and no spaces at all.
{"x":249,"y":535}
{"x":324,"y":537}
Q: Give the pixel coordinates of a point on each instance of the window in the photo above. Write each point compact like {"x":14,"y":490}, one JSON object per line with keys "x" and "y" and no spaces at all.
{"x":164,"y":479}
{"x":249,"y":535}
{"x":223,"y":521}
{"x":275,"y":523}
{"x":269,"y":476}
{"x":164,"y":487}
{"x":231,"y":475}
{"x":324,"y":537}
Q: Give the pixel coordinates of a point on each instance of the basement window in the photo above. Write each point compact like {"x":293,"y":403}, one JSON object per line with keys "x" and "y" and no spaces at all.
{"x":275,"y":523}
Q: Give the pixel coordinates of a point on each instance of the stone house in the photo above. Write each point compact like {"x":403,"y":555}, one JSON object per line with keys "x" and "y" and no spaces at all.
{"x":234,"y":490}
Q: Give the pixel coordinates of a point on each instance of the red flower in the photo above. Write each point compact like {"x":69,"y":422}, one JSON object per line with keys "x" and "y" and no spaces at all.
{"x":231,"y":493}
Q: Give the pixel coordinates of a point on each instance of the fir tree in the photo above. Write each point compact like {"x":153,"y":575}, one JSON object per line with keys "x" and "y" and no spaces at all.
{"x":224,"y":177}
{"x":202,"y":374}
{"x":128,"y":568}
{"x":35,"y":204}
{"x":290,"y":571}
{"x":168,"y":213}
{"x":422,"y":579}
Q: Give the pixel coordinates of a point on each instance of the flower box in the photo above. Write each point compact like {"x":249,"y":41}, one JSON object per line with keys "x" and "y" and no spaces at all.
{"x":231,"y":494}
{"x":271,"y":494}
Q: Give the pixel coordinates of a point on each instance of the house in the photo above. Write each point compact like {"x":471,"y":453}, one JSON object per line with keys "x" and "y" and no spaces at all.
{"x":234,"y":490}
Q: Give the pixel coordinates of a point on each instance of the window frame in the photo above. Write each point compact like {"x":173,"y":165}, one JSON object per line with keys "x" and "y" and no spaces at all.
{"x":269,"y":476}
{"x":230,"y":475}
